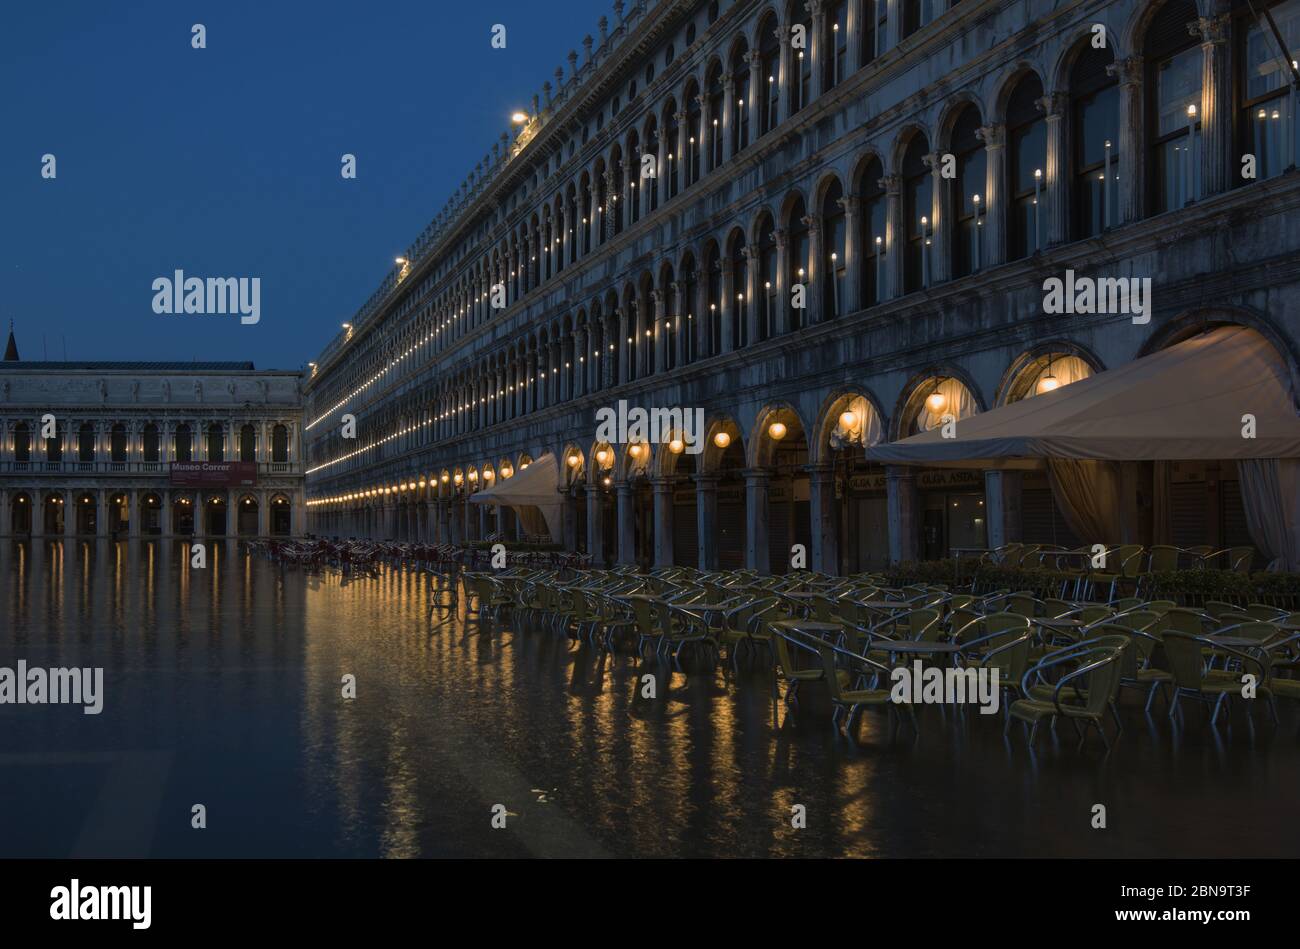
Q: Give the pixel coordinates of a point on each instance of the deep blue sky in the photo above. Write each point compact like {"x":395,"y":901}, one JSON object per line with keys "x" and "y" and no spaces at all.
{"x":224,"y":162}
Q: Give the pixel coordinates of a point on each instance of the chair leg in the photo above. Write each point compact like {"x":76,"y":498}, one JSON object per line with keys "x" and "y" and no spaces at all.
{"x":1033,"y":732}
{"x":1114,"y":713}
{"x":1214,"y":716}
{"x":1173,"y":705}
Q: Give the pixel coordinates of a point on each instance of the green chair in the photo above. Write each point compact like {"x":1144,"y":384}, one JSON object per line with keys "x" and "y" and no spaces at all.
{"x":843,"y":697}
{"x":1082,"y":694}
{"x":1191,"y":678}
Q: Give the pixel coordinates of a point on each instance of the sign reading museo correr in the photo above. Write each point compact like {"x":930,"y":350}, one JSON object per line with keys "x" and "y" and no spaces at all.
{"x":214,"y":474}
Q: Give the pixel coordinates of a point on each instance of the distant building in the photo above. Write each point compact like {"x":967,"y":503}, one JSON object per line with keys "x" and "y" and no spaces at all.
{"x":148,"y":448}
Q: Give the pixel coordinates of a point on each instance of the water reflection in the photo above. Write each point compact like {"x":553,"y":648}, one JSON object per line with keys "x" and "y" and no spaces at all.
{"x":224,"y":686}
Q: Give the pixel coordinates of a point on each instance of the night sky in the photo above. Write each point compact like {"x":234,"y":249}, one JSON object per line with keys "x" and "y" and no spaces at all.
{"x":225,"y":161}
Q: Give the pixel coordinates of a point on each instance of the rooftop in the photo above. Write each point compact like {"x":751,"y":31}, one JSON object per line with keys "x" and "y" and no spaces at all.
{"x":128,"y":366}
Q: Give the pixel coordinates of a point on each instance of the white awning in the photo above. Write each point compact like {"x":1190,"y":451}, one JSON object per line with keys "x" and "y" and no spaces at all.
{"x":537,"y":486}
{"x":1183,"y":403}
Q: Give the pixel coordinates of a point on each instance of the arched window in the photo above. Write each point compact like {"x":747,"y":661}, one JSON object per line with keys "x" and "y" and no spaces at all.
{"x":652,"y":148}
{"x":693,"y":132}
{"x":1094,"y":129}
{"x":670,"y":151}
{"x":769,"y":48}
{"x":918,"y":206}
{"x":1173,"y":72}
{"x":1026,"y":154}
{"x":247,"y":443}
{"x":216,"y":443}
{"x":967,"y":196}
{"x":713,"y":273}
{"x":801,"y":60}
{"x":86,"y":442}
{"x":632,"y":167}
{"x":871,"y":238}
{"x":916,"y":14}
{"x":584,"y":196}
{"x":1266,"y":120}
{"x":616,"y":197}
{"x":669,"y":327}
{"x":184,"y":450}
{"x":117,"y":443}
{"x":687,"y":320}
{"x":280,"y":444}
{"x":835,"y":42}
{"x":833,"y":263}
{"x":22,"y":443}
{"x":797,"y":260}
{"x":151,"y":443}
{"x":768,"y":285}
{"x":741,"y":301}
{"x":740,"y":78}
{"x":716,"y":106}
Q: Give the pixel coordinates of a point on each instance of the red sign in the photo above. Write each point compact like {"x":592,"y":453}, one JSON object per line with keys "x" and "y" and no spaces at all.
{"x":214,"y":474}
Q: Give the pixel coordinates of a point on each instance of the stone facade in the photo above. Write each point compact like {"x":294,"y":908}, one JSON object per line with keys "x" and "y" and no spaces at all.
{"x":850,"y":181}
{"x":120,"y":426}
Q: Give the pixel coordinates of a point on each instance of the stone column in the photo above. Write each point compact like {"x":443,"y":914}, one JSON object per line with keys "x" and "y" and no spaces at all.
{"x":101,"y":513}
{"x":754,"y":98}
{"x":134,"y":513}
{"x":1002,"y":510}
{"x":940,"y":212}
{"x":263,"y":515}
{"x":70,"y":513}
{"x":853,"y":255}
{"x":816,"y":54}
{"x":823,"y":522}
{"x":1216,"y":102}
{"x":787,"y":76}
{"x":895,"y":237}
{"x":625,"y":330}
{"x":815,"y":274}
{"x":663,"y":495}
{"x":728,"y":114}
{"x":596,"y":524}
{"x":1130,"y":165}
{"x":753,"y":304}
{"x":626,"y":524}
{"x":483,"y":521}
{"x":855,"y":22}
{"x":444,"y":521}
{"x":757,"y":514}
{"x":165,"y":514}
{"x":1056,"y":184}
{"x":893,"y":25}
{"x":706,"y":514}
{"x":38,"y":511}
{"x":726,"y":304}
{"x":658,"y":329}
{"x":682,"y":325}
{"x":593,"y":222}
{"x":993,"y":247}
{"x":904,"y":505}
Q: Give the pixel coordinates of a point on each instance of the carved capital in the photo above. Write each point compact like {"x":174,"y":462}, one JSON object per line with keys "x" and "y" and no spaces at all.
{"x":1211,"y":30}
{"x":993,"y":136}
{"x":1052,"y":104}
{"x":1128,"y":71}
{"x":890,"y":184}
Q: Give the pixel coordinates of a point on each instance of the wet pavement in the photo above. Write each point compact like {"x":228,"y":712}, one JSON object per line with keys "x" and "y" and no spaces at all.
{"x":224,"y":687}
